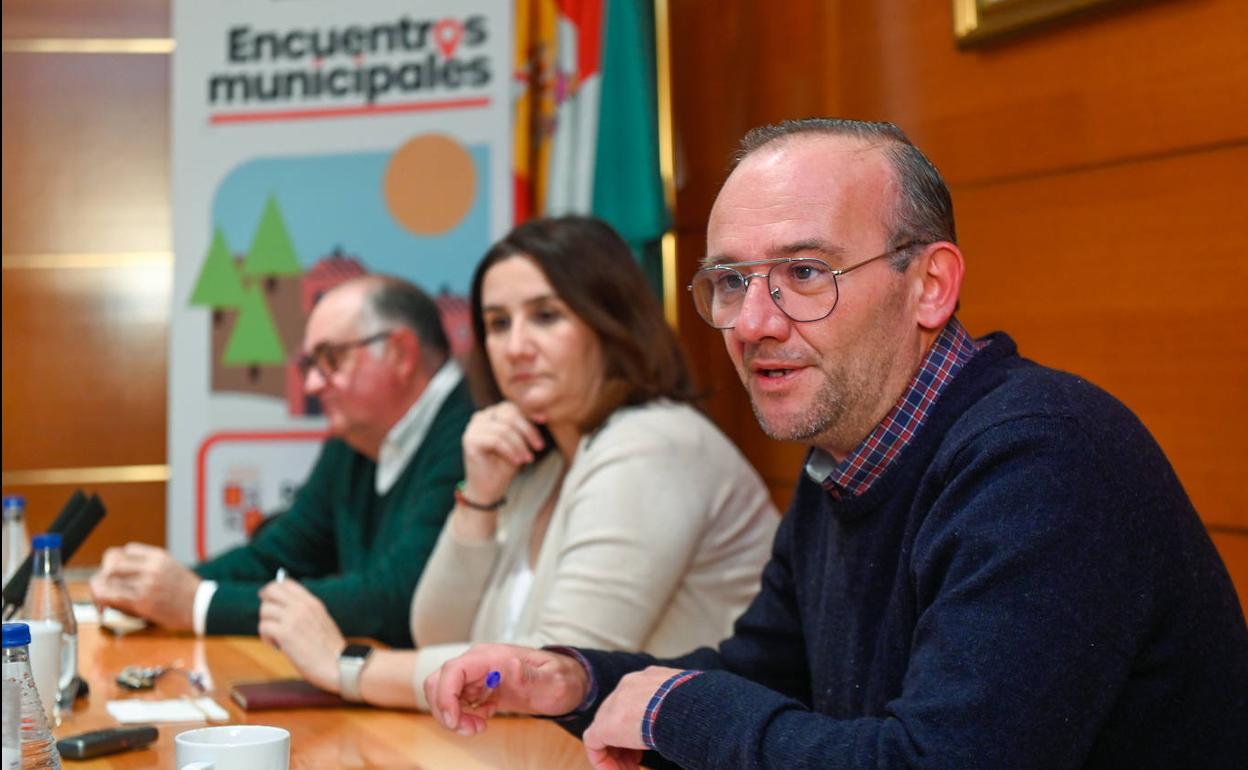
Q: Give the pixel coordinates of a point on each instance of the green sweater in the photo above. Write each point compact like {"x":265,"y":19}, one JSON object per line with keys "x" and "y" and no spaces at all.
{"x":358,"y":552}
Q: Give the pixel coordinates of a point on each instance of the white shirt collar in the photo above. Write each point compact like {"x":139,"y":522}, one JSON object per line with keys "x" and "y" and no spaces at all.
{"x":409,"y":432}
{"x":820,"y":465}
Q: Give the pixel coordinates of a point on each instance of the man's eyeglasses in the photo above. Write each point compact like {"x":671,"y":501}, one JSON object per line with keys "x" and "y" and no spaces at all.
{"x":328,"y":356}
{"x":804,"y":288}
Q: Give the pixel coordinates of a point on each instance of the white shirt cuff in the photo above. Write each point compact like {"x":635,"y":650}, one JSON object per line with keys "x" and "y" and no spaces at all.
{"x":199,"y":608}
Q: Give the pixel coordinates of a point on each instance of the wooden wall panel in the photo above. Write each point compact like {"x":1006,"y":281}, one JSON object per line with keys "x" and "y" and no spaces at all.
{"x":709,"y":82}
{"x":86,"y":18}
{"x":86,"y":153}
{"x":1159,"y":78}
{"x":727,"y":61}
{"x":1234,"y":549}
{"x":136,"y":511}
{"x":84,"y":353}
{"x":1129,"y":276}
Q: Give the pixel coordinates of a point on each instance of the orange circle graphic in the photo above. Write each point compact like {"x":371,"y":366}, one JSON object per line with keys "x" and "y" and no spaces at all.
{"x":430,"y":183}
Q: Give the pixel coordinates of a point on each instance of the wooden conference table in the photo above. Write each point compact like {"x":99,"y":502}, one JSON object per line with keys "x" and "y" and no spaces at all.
{"x":355,"y":737}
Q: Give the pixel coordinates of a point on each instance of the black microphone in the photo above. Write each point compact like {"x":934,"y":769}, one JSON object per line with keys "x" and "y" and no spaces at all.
{"x":80,"y":526}
{"x":74,"y":523}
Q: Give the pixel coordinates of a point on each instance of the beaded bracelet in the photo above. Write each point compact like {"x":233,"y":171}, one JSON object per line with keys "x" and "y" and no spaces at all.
{"x":464,"y":501}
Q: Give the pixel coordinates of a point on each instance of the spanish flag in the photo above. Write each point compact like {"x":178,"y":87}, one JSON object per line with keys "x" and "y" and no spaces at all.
{"x":586,"y":126}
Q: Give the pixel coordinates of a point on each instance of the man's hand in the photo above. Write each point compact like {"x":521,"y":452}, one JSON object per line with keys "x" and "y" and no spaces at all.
{"x":532,"y":682}
{"x":297,"y":623}
{"x":146,"y":581}
{"x":613,"y":741}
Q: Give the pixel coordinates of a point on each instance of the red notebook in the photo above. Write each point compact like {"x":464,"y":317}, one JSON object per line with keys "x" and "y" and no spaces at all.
{"x":283,"y":694}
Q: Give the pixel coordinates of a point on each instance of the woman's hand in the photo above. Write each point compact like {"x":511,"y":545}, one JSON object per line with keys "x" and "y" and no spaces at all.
{"x":498,"y":441}
{"x":297,"y":623}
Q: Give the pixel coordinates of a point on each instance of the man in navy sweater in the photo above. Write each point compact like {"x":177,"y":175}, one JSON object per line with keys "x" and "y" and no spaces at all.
{"x":986,"y":563}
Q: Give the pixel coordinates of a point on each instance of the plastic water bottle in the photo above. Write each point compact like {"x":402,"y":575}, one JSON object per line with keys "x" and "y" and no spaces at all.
{"x":47,"y":598}
{"x":27,"y":737}
{"x":16,"y":542}
{"x":11,"y":746}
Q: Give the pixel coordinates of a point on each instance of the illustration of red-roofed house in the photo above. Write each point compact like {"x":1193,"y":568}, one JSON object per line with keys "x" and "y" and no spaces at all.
{"x":325,"y":274}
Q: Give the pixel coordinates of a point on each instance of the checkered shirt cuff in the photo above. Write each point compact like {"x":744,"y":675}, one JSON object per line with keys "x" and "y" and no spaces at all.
{"x":656,"y":702}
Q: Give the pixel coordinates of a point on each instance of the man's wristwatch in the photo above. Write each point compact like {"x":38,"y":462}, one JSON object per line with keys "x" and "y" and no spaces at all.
{"x":350,"y":665}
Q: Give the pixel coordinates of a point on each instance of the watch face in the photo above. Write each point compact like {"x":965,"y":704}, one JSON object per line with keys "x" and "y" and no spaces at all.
{"x":357,"y":651}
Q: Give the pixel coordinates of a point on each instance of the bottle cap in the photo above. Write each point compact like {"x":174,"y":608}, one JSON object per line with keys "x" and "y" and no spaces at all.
{"x":16,"y":635}
{"x":46,"y":540}
{"x":14,"y":506}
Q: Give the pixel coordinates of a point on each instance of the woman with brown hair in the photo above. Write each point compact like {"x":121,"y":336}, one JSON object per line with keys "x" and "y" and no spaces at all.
{"x":599,"y":507}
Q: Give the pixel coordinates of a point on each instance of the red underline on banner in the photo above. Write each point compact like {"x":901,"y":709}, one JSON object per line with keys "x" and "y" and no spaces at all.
{"x":342,"y":112}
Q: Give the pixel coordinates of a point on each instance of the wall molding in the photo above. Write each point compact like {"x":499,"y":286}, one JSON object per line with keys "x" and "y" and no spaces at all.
{"x":78,"y":261}
{"x":90,"y":45}
{"x":108,"y":474}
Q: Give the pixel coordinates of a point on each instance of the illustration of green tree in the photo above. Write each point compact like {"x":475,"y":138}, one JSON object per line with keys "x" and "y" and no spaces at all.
{"x":255,"y":340}
{"x":218,"y":285}
{"x":271,"y":253}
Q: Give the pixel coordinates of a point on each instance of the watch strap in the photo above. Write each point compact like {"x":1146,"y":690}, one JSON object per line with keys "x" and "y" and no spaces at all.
{"x":350,"y":666}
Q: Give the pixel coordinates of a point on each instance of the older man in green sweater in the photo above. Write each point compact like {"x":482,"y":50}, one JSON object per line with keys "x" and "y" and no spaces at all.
{"x":363,"y":524}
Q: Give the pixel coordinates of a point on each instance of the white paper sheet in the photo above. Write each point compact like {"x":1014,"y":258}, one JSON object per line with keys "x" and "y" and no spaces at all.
{"x":137,"y":710}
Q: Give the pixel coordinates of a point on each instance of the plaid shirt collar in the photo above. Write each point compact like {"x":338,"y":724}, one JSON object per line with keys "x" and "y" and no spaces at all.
{"x":856,"y":473}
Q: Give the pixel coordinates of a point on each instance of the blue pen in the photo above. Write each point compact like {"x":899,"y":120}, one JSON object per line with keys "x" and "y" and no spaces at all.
{"x":492,"y":680}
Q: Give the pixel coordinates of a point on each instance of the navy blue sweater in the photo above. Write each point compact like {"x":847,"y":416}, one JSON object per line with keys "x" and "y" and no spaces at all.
{"x":1027,"y":586}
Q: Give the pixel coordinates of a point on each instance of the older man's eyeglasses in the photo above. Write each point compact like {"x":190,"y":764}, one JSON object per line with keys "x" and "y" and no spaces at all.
{"x":804,"y":288}
{"x":327,"y":357}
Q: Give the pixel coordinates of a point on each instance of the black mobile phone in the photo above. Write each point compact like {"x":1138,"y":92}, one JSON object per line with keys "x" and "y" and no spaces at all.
{"x":98,"y":743}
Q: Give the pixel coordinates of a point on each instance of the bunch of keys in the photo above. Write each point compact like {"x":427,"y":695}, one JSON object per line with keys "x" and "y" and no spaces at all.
{"x":144,"y":677}
{"x":141,"y":677}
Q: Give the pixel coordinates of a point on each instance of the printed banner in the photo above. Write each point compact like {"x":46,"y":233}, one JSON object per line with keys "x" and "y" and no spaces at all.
{"x":313,"y":141}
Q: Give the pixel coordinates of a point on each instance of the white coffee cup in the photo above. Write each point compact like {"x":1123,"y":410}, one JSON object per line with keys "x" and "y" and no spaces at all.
{"x":233,"y":747}
{"x":45,"y":661}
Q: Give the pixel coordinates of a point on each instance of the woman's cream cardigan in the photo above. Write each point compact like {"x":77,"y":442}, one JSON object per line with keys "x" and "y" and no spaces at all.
{"x":656,"y":543}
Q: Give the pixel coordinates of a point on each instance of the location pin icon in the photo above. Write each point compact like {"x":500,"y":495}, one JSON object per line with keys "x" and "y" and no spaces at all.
{"x":447,"y":34}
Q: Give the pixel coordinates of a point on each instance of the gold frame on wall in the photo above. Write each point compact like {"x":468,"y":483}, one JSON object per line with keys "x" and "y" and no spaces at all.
{"x":975,"y":21}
